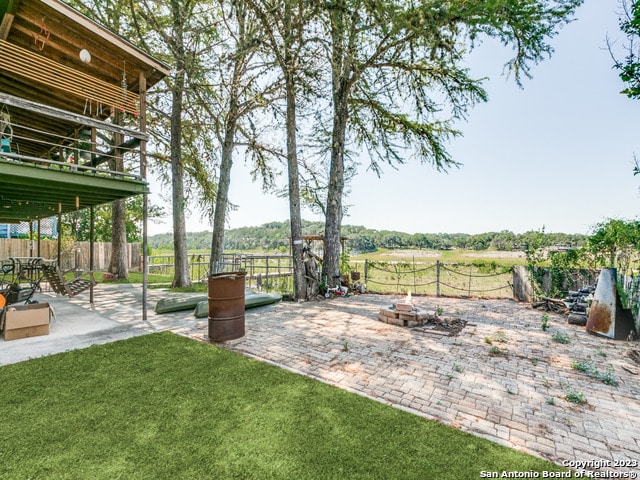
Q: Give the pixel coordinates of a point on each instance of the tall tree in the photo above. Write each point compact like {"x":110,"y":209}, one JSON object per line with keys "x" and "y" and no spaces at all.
{"x":176,"y":43}
{"x":240,"y":86}
{"x":180,"y":32}
{"x":397,"y":69}
{"x":286,"y":24}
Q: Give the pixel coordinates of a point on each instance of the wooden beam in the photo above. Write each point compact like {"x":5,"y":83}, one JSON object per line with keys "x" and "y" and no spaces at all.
{"x":50,"y":74}
{"x":70,"y":180}
{"x":5,"y":26}
{"x":29,"y":192}
{"x":60,"y":114}
{"x":7,"y":19}
{"x":114,"y":39}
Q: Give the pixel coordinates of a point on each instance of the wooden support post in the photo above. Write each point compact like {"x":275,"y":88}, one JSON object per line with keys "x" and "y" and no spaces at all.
{"x":92,"y":232}
{"x":142,"y":91}
{"x":414,"y":274}
{"x":366,"y":270}
{"x":59,"y":239}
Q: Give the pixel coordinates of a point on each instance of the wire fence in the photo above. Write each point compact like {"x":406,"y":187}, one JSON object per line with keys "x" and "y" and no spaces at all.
{"x":264,"y":272}
{"x":275,"y":272}
{"x":437,"y":279}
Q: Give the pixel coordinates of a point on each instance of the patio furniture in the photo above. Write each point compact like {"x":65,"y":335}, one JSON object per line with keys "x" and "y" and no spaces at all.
{"x":71,"y":288}
{"x":17,"y":271}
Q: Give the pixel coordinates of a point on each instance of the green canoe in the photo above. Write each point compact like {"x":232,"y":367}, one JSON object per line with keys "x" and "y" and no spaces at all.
{"x":176,"y":304}
{"x":251,"y":300}
{"x":188,"y":302}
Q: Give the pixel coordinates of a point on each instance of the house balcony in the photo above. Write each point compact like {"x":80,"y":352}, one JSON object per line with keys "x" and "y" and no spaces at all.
{"x":72,"y":111}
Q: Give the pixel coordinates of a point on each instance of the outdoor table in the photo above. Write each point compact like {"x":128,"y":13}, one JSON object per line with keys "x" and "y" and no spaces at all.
{"x":27,"y":269}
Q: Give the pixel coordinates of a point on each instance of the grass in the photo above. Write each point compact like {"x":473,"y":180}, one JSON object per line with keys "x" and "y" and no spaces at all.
{"x":574,"y":396}
{"x":545,"y":322}
{"x":457,"y":256}
{"x":136,"y":277}
{"x":500,"y":336}
{"x":607,"y":377}
{"x":498,"y":351}
{"x":560,"y":337}
{"x":163,"y":406}
{"x":157,"y":281}
{"x":471,"y":272}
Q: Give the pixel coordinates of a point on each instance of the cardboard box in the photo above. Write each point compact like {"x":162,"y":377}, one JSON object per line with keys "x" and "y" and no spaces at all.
{"x":26,"y":332}
{"x":22,"y":321}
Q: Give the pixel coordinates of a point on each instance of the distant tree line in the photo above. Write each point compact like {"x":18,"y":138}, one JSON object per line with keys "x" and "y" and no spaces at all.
{"x":274,"y":236}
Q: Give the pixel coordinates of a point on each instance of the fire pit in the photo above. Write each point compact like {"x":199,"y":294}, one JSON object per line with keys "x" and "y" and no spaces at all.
{"x":406,"y":314}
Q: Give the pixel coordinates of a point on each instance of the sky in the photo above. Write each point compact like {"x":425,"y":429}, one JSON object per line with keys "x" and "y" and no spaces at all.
{"x":556,"y":154}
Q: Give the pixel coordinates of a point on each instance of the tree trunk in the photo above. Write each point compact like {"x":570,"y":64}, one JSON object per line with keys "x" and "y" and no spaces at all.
{"x":228,"y":145}
{"x":333,"y":219}
{"x":295,"y":216}
{"x":224,"y":180}
{"x":119,"y":263}
{"x":341,"y":71}
{"x":181,"y":273}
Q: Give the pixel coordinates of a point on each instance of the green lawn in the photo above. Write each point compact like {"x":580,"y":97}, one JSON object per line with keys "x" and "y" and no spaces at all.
{"x":163,"y":406}
{"x":136,"y":277}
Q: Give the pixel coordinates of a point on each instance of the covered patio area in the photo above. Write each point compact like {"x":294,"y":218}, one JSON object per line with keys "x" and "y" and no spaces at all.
{"x":76,"y":323}
{"x":72,"y":114}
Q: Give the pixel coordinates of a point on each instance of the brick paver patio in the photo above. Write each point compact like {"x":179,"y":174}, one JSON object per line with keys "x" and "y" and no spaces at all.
{"x":516,"y":398}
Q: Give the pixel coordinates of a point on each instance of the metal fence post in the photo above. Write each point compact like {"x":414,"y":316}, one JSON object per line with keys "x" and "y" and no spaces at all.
{"x":437,"y":278}
{"x":267,"y":272}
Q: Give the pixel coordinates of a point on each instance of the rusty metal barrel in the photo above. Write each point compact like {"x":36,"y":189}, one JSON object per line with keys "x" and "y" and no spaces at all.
{"x":226,"y":306}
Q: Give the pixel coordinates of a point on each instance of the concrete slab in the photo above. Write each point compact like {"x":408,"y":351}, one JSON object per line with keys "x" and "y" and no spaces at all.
{"x":115,"y":315}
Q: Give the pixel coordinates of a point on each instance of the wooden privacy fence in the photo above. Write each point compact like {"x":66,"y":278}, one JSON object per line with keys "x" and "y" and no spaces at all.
{"x":74,"y":255}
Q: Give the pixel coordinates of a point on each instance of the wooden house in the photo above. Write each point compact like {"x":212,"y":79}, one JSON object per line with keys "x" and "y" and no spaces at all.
{"x":72,"y":111}
{"x":66,"y":86}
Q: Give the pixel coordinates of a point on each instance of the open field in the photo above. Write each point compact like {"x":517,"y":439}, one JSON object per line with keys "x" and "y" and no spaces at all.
{"x":486,"y":273}
{"x":501,"y":258}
